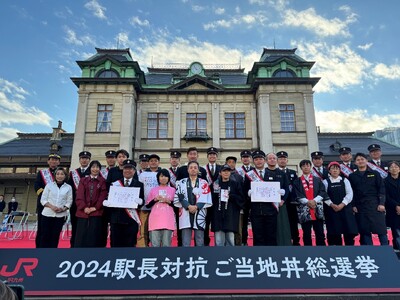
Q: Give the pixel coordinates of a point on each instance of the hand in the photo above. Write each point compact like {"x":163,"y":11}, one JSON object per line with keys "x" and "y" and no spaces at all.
{"x":192,"y":209}
{"x":87,"y":210}
{"x":311,"y":204}
{"x":281,"y":203}
{"x":381,"y":208}
{"x":249,"y":193}
{"x":355,"y":210}
{"x":398,"y":209}
{"x":105,"y":203}
{"x":282,"y":192}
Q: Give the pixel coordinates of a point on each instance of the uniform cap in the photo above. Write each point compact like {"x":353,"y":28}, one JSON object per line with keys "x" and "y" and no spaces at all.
{"x":317,"y":154}
{"x":144,"y":157}
{"x":282,"y":154}
{"x":85,"y":154}
{"x":129,"y":163}
{"x":212,"y":150}
{"x":245,"y":153}
{"x":176,"y":154}
{"x":374,"y":147}
{"x":110,"y":153}
{"x":54,"y":155}
{"x":258,"y":153}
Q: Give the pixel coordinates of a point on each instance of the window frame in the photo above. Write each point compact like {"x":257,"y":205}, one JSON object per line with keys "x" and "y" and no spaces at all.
{"x":105,"y":110}
{"x":287,"y":115}
{"x":235,"y":117}
{"x":158,"y":128}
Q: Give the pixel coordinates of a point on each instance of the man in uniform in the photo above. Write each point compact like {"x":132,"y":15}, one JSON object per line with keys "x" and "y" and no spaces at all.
{"x":264,"y":215}
{"x":116,"y":173}
{"x":110,"y":163}
{"x":175,"y":160}
{"x":143,"y":163}
{"x":346,"y":166}
{"x":290,"y":202}
{"x":73,"y":180}
{"x":212,"y":170}
{"x":149,"y":179}
{"x":124,"y":223}
{"x":368,"y":201}
{"x":375,"y":153}
{"x":44,"y":177}
{"x":318,"y":170}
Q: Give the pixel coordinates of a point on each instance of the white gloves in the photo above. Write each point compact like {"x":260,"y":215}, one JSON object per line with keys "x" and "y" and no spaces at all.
{"x":249,"y":193}
{"x":282,"y":192}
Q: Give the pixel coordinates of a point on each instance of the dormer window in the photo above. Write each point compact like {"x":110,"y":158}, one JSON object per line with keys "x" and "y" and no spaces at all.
{"x":284,"y":74}
{"x":108,"y":74}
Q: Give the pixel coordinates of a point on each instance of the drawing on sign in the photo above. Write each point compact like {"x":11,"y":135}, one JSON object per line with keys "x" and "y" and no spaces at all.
{"x":123,"y":197}
{"x":265,"y":191}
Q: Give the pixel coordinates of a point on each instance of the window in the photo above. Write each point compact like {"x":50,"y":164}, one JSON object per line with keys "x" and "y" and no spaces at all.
{"x":283,"y":73}
{"x":235,"y":125}
{"x":157,"y":125}
{"x":196,"y":124}
{"x":287,"y":117}
{"x":104,"y":112}
{"x":108,"y":74}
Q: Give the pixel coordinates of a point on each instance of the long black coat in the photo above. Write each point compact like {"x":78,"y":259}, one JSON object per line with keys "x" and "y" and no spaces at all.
{"x":226,"y":217}
{"x":392,"y":187}
{"x":368,"y":193}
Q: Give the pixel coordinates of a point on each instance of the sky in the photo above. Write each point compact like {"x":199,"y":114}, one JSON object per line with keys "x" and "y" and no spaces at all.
{"x":355,"y":46}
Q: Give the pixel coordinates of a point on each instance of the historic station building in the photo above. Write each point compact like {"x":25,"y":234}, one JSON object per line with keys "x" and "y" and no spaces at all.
{"x":176,"y":106}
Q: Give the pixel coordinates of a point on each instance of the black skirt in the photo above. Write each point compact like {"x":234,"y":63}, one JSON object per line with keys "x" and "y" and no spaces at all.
{"x":90,"y":232}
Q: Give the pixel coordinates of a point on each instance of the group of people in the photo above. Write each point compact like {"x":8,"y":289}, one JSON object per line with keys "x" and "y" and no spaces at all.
{"x":348,"y":198}
{"x":12,"y":205}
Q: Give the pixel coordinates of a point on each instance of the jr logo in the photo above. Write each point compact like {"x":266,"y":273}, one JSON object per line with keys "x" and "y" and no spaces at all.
{"x":28,"y":264}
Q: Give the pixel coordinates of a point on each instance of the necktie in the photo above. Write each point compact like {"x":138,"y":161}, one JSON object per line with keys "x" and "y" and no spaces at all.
{"x":126,"y":182}
{"x":174,"y":169}
{"x":83,"y":170}
{"x":261,"y":174}
{"x":212,"y":170}
{"x":378,"y":163}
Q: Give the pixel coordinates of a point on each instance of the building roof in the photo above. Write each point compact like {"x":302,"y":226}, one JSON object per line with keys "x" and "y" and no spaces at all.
{"x":330,"y":142}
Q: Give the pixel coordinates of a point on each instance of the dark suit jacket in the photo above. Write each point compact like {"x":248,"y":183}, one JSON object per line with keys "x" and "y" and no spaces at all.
{"x":182,"y":172}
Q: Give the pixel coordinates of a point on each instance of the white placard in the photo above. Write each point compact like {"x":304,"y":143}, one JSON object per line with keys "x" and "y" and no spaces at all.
{"x":224,"y":195}
{"x":265,"y":191}
{"x":149,"y":180}
{"x":123,"y":197}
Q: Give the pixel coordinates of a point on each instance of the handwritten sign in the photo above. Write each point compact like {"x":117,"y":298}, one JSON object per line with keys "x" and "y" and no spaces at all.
{"x":266,"y":191}
{"x":123,"y":197}
{"x":149,"y":180}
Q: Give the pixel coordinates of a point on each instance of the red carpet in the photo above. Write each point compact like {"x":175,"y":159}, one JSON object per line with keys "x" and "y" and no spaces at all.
{"x":26,"y":240}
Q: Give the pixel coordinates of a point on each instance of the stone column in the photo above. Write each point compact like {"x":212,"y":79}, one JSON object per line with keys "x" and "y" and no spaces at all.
{"x":127,"y":122}
{"x":311,"y":127}
{"x":80,"y":128}
{"x":264,"y":123}
{"x":215,"y":125}
{"x":176,"y":126}
{"x":253,"y":112}
{"x":138,"y":129}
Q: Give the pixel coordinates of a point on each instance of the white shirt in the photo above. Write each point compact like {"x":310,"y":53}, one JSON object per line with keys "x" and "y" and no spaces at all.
{"x":349,"y":191}
{"x":59,"y":197}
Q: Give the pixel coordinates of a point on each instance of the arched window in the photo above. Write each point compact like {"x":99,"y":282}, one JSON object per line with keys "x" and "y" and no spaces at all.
{"x":108,"y":74}
{"x":284,"y":73}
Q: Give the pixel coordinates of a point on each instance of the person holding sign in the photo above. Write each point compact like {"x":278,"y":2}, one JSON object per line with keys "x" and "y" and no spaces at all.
{"x":192,"y":197}
{"x":162,"y":216}
{"x":310,"y":194}
{"x":124,"y":219}
{"x":91,"y":230}
{"x":267,"y":188}
{"x":228,"y":200}
{"x":369,"y":201}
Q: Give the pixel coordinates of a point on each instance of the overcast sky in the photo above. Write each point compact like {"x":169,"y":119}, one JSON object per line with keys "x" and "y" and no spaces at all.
{"x":355,"y":45}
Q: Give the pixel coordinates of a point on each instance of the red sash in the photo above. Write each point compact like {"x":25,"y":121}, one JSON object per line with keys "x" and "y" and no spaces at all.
{"x":309,"y":189}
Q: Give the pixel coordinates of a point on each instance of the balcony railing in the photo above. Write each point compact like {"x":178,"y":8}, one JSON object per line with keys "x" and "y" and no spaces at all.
{"x":196,"y":136}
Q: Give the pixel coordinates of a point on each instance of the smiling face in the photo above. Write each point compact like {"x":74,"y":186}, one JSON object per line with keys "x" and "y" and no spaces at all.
{"x":60,"y":176}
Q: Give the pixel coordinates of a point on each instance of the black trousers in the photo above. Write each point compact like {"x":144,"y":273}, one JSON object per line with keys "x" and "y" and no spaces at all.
{"x":245,"y":225}
{"x":39,"y":210}
{"x":318,"y":226}
{"x":336,"y":239}
{"x":51,"y":229}
{"x":294,"y":223}
{"x":74,"y":220}
{"x":179,"y":233}
{"x":209,"y":217}
{"x":264,"y":229}
{"x":123,"y":235}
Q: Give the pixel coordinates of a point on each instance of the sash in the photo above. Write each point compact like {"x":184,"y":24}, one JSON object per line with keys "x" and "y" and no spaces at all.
{"x":253,"y":175}
{"x":104,"y":172}
{"x":309,"y":189}
{"x":346,"y":171}
{"x":47,"y":176}
{"x":75,"y":178}
{"x":315,"y":173}
{"x":241,"y":172}
{"x":208,"y":175}
{"x":173,"y":177}
{"x":381,"y":171}
{"x":132,"y":213}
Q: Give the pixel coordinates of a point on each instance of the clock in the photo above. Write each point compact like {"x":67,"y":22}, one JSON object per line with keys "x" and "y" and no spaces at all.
{"x":196,"y":68}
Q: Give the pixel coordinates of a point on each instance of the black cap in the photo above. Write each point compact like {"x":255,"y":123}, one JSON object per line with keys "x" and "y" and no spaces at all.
{"x":129,"y":163}
{"x":282,"y":154}
{"x":345,"y":150}
{"x":258,"y":153}
{"x":225,"y":167}
{"x":111,"y":153}
{"x":54,"y":155}
{"x":317,"y":154}
{"x":144,"y":157}
{"x":85,"y":154}
{"x":230,"y":157}
{"x":175,"y":154}
{"x":374,"y":147}
{"x":212,"y":150}
{"x":153,"y":156}
{"x":245,"y":153}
